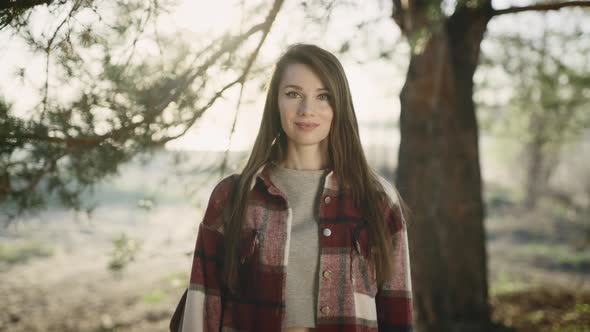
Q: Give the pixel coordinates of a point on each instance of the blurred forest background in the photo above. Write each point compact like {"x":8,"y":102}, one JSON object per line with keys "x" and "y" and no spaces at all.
{"x":118,"y":117}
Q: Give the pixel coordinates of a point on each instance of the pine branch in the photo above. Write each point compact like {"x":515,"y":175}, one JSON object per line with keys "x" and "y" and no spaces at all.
{"x":48,"y":50}
{"x":176,"y":89}
{"x":541,"y":7}
{"x":23,"y":4}
{"x":265,"y":26}
{"x":13,"y":12}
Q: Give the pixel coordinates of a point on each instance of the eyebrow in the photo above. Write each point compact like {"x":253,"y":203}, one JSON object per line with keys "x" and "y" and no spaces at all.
{"x":297,"y":87}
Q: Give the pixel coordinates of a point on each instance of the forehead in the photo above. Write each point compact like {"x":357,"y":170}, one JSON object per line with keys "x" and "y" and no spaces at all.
{"x":301,"y":75}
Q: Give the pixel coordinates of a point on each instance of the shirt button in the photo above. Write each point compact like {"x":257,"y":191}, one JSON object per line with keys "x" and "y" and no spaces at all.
{"x":328,"y":199}
{"x":327,"y":274}
{"x":326,"y":310}
{"x":327,"y":232}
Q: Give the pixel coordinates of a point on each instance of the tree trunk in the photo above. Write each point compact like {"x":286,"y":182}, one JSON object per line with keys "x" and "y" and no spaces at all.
{"x":439,"y":177}
{"x":535,"y":182}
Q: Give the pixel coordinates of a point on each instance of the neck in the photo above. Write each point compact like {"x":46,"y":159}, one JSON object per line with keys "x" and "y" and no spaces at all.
{"x":305,"y":157}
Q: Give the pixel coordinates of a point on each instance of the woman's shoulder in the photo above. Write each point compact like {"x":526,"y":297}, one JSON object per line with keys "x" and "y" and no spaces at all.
{"x":396,"y":216}
{"x":224,"y":187}
{"x":388,"y":189}
{"x":218,"y":202}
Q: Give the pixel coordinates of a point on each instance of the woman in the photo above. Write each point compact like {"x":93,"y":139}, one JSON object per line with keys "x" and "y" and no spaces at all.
{"x":307,"y":237}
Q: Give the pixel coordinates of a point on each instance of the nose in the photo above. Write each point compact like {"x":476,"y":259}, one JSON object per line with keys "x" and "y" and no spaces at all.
{"x":305,"y":107}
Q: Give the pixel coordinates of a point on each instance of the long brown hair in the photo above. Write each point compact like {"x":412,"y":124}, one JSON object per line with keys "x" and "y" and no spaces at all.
{"x":345,"y":157}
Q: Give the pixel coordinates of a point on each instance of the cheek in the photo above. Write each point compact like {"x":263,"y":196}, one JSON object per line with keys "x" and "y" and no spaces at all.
{"x":328,"y":117}
{"x":287,"y":108}
{"x":283,"y":111}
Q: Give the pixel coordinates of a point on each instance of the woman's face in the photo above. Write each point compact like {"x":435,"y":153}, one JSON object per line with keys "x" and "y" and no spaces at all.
{"x":304,"y":105}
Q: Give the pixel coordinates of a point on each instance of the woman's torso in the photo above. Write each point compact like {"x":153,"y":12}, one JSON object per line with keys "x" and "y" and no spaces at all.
{"x":302,"y":189}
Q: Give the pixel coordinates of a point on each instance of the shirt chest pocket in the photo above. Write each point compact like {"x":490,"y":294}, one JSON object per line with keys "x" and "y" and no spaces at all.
{"x":362,"y":270}
{"x":248,"y":245}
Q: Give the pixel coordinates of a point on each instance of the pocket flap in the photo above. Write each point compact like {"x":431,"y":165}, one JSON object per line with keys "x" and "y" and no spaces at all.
{"x":248,"y":244}
{"x":360,"y":238}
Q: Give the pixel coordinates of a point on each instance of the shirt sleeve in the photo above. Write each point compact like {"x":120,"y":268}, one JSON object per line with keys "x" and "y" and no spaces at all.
{"x":203,"y":307}
{"x":394,"y":296}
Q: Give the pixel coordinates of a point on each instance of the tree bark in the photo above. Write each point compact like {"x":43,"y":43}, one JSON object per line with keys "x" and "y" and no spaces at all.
{"x":439,"y":174}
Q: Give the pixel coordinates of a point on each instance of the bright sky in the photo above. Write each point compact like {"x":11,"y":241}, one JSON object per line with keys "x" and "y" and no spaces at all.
{"x":374,"y":87}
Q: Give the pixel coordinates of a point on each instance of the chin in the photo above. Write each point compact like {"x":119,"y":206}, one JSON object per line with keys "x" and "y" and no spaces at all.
{"x":308,"y":140}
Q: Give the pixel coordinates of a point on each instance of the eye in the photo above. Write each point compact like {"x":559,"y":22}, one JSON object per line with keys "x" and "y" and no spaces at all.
{"x":324,"y":96}
{"x":291,"y":94}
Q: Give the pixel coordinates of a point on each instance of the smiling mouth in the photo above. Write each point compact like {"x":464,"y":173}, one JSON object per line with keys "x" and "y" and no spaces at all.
{"x":304,"y":125}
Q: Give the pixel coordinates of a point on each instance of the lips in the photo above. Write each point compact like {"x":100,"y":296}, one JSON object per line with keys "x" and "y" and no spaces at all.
{"x":307,"y":124}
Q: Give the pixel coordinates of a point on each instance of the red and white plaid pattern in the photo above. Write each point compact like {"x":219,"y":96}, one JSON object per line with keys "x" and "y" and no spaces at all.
{"x":348,"y":298}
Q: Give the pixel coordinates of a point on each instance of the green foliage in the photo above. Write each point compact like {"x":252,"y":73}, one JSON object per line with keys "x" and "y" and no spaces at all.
{"x":419,"y":39}
{"x":155,"y":296}
{"x":498,"y":198}
{"x":64,"y":148}
{"x":547,"y":83}
{"x":570,"y":328}
{"x":554,"y":256}
{"x":545,"y":309}
{"x":15,"y":13}
{"x":533,"y":93}
{"x":124,"y":251}
{"x":177,"y":279}
{"x":132,"y":90}
{"x":18,"y":253}
{"x":505,"y":284}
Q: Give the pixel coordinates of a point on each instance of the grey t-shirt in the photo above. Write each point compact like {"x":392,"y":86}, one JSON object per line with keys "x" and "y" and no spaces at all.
{"x":303,"y":189}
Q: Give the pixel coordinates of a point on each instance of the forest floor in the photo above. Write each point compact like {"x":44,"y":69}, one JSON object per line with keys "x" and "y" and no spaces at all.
{"x":55,"y":275}
{"x":539,"y":268}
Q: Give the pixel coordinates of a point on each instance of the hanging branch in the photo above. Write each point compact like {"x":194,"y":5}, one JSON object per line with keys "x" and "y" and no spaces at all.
{"x":48,"y":49}
{"x":242,"y":78}
{"x":91,"y":156}
{"x":540,"y":7}
{"x":12,"y":11}
{"x":175,"y":89}
{"x":24,"y":4}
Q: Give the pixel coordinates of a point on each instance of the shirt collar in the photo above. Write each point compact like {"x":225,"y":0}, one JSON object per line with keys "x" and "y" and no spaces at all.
{"x":263,"y":173}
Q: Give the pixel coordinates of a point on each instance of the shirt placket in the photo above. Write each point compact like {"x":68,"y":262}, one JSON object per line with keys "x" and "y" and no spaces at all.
{"x":326,"y":273}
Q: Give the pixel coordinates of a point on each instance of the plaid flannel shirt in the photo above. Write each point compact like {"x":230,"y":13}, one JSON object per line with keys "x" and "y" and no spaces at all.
{"x":348,"y":297}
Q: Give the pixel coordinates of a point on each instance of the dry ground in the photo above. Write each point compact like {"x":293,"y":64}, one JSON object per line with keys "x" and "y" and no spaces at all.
{"x":537,"y":284}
